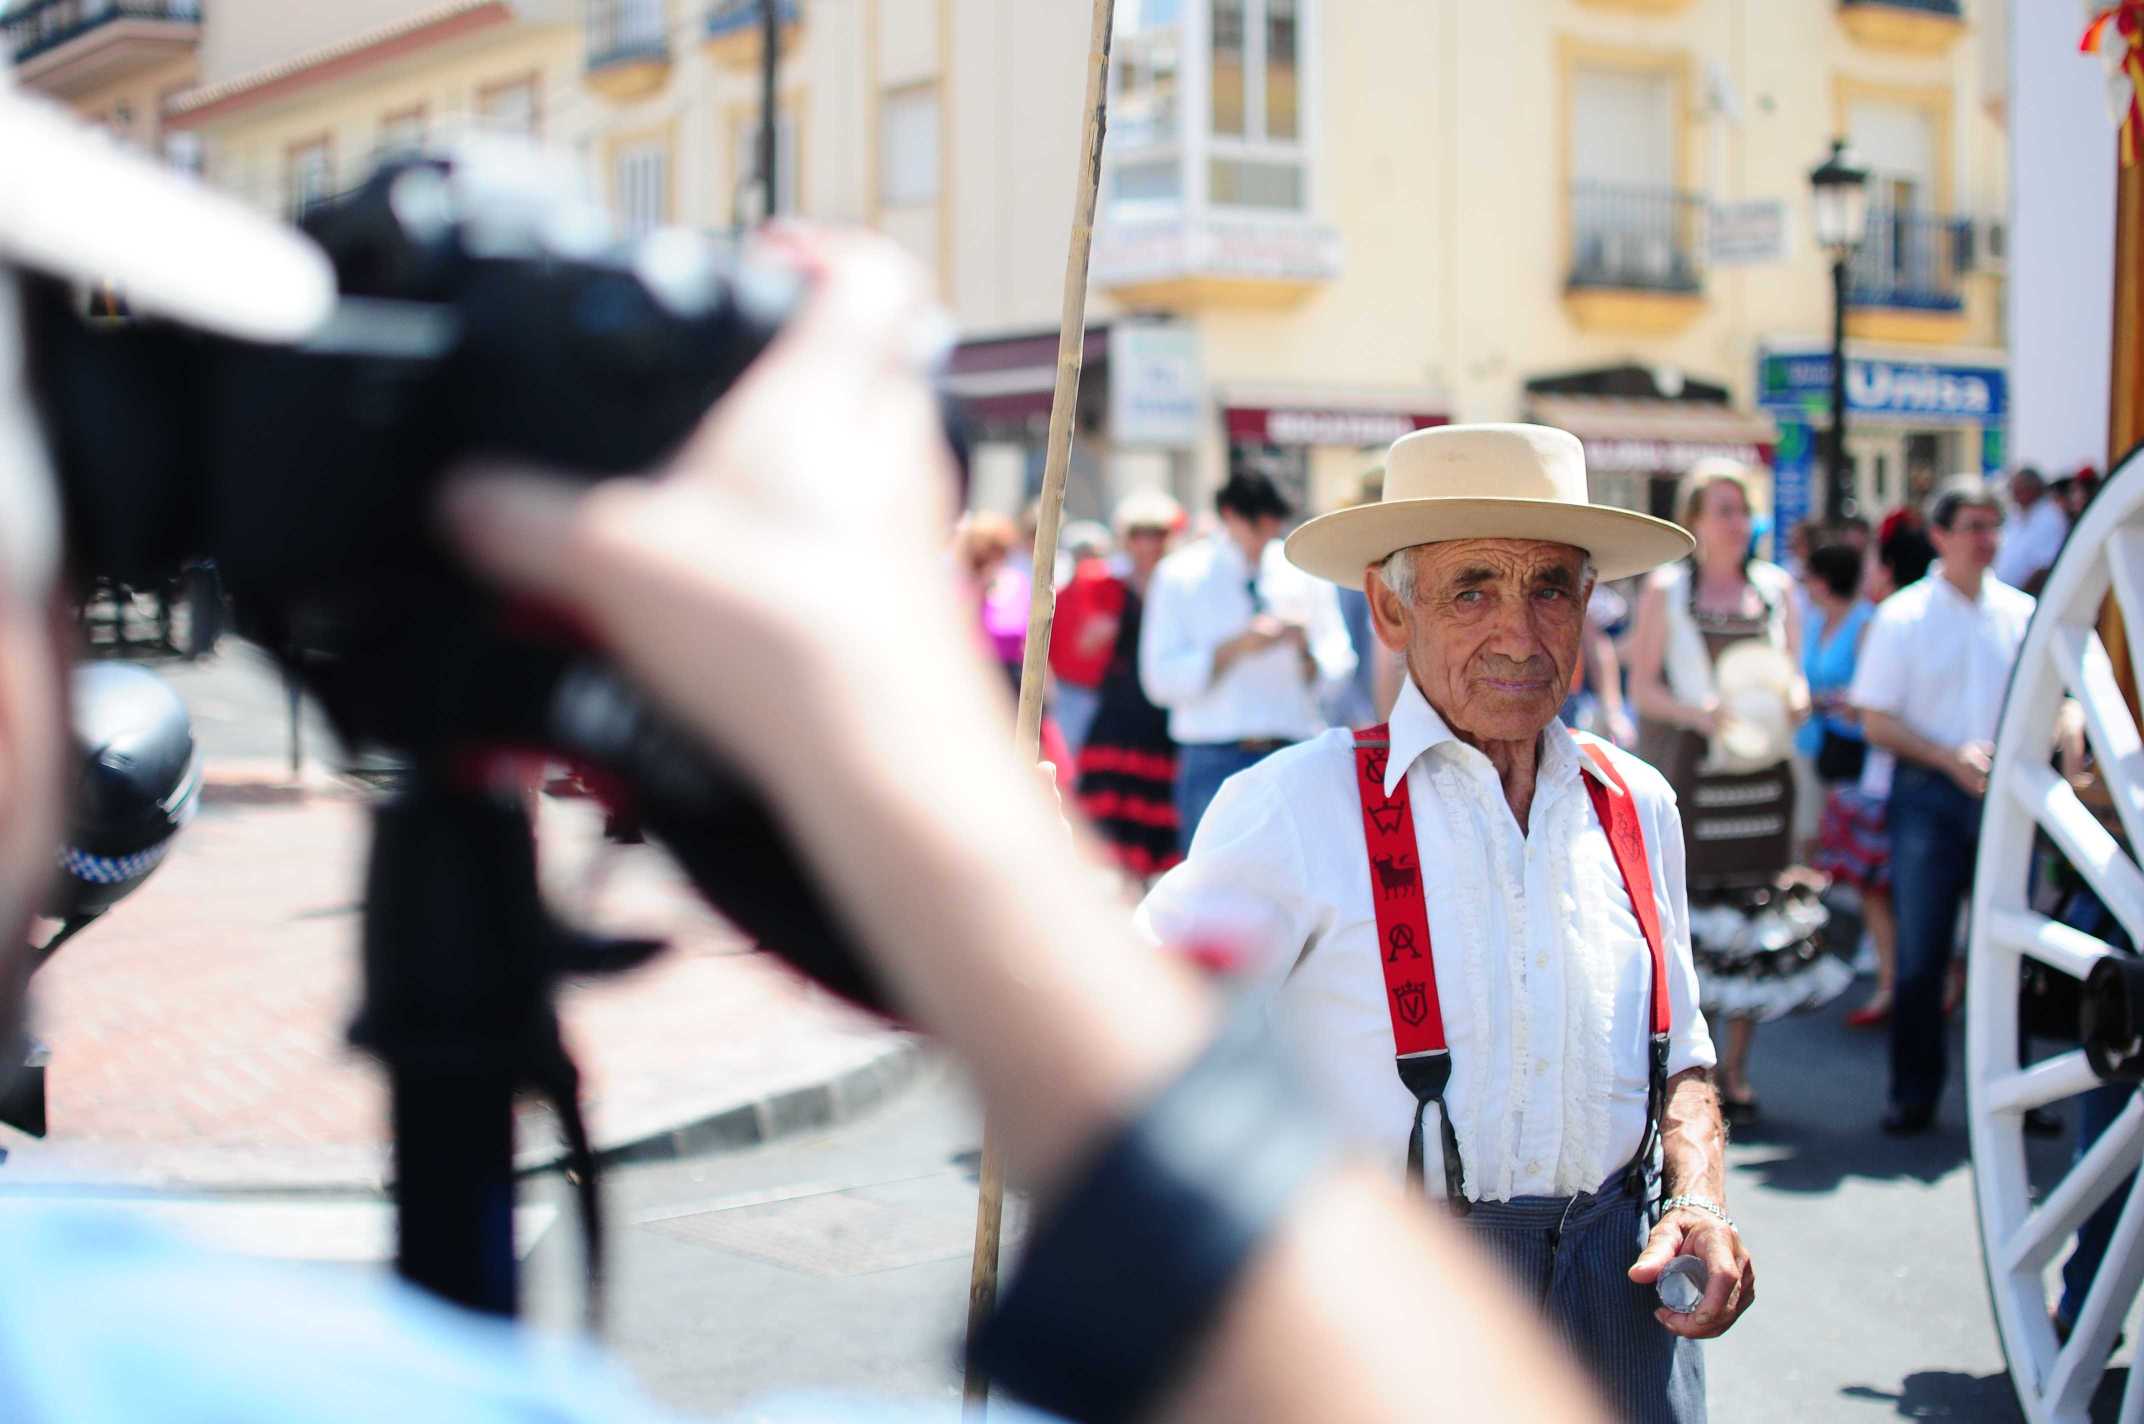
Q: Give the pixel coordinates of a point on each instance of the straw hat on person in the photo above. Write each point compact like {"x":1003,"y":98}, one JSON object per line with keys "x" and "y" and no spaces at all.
{"x":1484,"y":482}
{"x":1754,"y":679}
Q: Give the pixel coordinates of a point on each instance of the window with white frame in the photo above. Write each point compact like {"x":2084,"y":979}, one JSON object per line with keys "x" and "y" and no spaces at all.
{"x":1631,"y":226}
{"x":908,"y":147}
{"x":1256,"y":158}
{"x":640,"y":185}
{"x":309,"y":176}
{"x":744,"y":165}
{"x":1213,"y":88}
{"x":402,"y":131}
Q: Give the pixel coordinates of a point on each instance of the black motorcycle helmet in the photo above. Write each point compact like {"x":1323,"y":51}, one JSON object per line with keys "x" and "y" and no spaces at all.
{"x":138,"y":777}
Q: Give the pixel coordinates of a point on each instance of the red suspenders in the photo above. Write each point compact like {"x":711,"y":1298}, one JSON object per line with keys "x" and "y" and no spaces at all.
{"x":1423,"y":1060}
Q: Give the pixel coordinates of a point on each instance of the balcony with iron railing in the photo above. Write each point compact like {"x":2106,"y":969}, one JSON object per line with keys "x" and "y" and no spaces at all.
{"x":1637,"y":256}
{"x":628,"y":46}
{"x":63,"y":46}
{"x":735,"y":29}
{"x":1914,"y":26}
{"x":1907,"y":277}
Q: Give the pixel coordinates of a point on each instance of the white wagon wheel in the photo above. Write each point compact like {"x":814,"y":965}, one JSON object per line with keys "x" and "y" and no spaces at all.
{"x":2024,"y":1233}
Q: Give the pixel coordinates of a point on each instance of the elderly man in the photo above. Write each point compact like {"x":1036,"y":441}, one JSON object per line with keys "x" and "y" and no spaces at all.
{"x":1473,"y":922}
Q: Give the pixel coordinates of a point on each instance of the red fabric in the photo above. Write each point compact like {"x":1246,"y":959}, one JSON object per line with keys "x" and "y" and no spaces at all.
{"x":1116,"y":806}
{"x":1403,"y":913}
{"x":1396,"y":892}
{"x":1083,"y":633}
{"x":1058,"y":754}
{"x":1619,"y":817}
{"x":1127,"y":761}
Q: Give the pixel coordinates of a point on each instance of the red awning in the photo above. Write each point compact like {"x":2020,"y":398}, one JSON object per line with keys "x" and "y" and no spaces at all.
{"x":1009,"y":380}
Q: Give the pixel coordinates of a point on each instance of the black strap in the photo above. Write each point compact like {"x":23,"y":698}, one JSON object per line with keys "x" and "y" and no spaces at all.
{"x":1427,"y":1075}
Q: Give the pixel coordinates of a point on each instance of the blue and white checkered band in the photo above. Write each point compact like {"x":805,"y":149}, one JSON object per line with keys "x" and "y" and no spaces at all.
{"x":111,"y":869}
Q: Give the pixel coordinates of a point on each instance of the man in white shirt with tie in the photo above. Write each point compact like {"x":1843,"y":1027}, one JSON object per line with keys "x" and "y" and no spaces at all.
{"x":1238,"y":645}
{"x":1473,"y":924}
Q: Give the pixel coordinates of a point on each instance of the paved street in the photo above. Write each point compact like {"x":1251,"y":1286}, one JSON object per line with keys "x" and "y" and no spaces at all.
{"x":839,"y":1256}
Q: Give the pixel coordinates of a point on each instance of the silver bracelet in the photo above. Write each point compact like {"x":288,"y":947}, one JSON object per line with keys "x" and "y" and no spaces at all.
{"x":1703,"y":1204}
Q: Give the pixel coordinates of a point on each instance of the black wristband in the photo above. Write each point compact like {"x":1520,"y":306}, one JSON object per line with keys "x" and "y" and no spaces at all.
{"x":1138,"y":1256}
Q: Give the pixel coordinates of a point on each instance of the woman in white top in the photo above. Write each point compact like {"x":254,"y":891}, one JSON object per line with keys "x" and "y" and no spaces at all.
{"x":1754,"y":934}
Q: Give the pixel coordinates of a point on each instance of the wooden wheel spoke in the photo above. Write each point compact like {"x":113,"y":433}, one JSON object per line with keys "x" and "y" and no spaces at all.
{"x":2048,"y":1228}
{"x":2049,"y":941}
{"x":2081,"y":660}
{"x":2084,"y":1359}
{"x":2049,"y":1081}
{"x":2095,"y":854}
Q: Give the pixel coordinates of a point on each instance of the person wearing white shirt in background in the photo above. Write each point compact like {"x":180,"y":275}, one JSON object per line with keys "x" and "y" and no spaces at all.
{"x":1239,"y":646}
{"x":1529,"y":948}
{"x":2035,"y":530}
{"x":1930,"y":687}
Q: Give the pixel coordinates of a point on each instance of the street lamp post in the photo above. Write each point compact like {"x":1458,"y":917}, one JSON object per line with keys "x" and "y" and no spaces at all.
{"x":1841,"y":201}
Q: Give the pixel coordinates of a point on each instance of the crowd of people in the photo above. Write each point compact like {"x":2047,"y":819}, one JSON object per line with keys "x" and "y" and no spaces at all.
{"x":1181,"y":656}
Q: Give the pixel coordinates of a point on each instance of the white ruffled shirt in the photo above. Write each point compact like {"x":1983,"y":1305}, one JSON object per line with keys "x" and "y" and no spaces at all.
{"x":1543,"y":975}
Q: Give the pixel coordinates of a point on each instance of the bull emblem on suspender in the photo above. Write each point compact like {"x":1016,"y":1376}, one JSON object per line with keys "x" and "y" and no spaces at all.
{"x":1401,"y":938}
{"x":1386,"y":817}
{"x":1412,"y":1003}
{"x":1394,"y":878}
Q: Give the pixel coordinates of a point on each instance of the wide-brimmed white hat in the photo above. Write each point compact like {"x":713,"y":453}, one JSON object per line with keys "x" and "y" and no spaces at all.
{"x":79,"y":206}
{"x":1485,"y":482}
{"x":1753,"y":679}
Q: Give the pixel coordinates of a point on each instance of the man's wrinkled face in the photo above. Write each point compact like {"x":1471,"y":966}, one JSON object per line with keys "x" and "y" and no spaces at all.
{"x":1492,"y":633}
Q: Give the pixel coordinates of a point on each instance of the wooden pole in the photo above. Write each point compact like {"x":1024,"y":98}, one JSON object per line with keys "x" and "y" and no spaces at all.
{"x":1034,"y":664}
{"x":2125,"y":407}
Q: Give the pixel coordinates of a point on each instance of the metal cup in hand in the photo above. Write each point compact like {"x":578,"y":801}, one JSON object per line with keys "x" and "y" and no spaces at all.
{"x":1682,"y":1284}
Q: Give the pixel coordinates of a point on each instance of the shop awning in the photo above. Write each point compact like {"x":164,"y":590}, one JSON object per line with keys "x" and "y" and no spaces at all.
{"x":1634,"y":435}
{"x":1009,"y":380}
{"x":1327,"y":415}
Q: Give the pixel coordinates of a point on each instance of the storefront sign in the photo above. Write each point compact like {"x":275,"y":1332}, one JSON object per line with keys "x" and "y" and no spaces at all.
{"x":1278,"y":425}
{"x":1917,"y":392}
{"x":1747,"y":234}
{"x":1235,"y":248}
{"x":1156,"y":395}
{"x":1653,"y":456}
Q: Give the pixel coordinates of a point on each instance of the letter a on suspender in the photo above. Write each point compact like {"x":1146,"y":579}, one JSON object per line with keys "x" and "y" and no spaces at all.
{"x":1422,"y":1057}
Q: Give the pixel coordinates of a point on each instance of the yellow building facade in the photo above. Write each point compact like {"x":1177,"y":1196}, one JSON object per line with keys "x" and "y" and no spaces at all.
{"x":1323,"y":222}
{"x":117,"y":65}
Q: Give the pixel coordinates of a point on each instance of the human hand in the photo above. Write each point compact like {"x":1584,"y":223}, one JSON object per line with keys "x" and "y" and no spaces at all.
{"x":1621,"y":730}
{"x":1705,"y":721}
{"x":1969,"y":766}
{"x":1265,"y":631}
{"x":1730,"y":1278}
{"x":728,"y":583}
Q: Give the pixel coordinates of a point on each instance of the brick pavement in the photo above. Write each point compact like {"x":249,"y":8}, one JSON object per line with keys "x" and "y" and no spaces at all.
{"x":197,"y":1031}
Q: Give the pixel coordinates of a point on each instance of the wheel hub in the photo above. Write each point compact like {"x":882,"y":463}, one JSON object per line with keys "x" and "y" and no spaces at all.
{"x":2111,"y":1017}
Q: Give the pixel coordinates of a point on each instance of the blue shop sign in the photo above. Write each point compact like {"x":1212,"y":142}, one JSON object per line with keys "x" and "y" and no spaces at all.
{"x":1922,"y":391}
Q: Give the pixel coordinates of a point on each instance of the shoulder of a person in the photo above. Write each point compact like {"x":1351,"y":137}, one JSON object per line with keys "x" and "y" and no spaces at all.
{"x":1646,"y":785}
{"x":1186,"y":565}
{"x":1906,"y":604}
{"x":1767,"y":574}
{"x":1307,"y":779}
{"x":2011,"y":599}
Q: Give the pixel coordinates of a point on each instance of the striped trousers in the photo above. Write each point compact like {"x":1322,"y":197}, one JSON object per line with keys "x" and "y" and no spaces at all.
{"x":1571,"y":1256}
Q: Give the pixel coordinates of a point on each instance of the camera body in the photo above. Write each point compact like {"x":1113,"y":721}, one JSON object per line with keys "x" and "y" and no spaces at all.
{"x":485,"y":312}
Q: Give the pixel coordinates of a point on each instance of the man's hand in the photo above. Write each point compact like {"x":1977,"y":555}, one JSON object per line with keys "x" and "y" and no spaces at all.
{"x":1969,"y":765}
{"x":1730,"y":1278}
